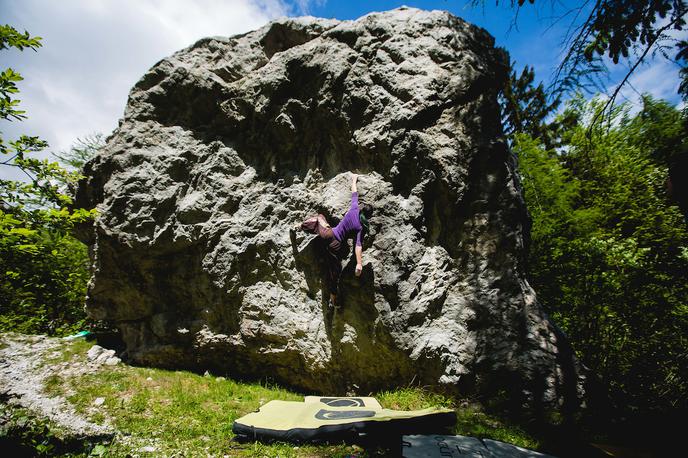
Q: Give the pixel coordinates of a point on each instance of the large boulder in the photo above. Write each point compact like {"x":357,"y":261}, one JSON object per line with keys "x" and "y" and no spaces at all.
{"x":225,"y":145}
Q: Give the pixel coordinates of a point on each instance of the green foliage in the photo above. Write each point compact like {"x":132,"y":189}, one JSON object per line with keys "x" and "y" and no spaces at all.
{"x":19,"y":429}
{"x":608,"y":250}
{"x":43,"y":278}
{"x":413,"y":399}
{"x":473,"y":421}
{"x":81,"y":151}
{"x":43,"y":270}
{"x":629,"y":29}
{"x":10,"y":38}
{"x":525,"y":107}
{"x":617,"y":26}
{"x":660,"y":129}
{"x":682,"y":58}
{"x":24,"y":434}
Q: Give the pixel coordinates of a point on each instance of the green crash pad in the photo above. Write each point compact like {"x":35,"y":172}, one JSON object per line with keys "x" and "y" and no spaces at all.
{"x":316,"y":421}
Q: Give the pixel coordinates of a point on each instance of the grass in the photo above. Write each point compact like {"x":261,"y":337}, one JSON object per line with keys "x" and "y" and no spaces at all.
{"x":69,"y":350}
{"x":412,"y":399}
{"x":179,"y":412}
{"x":185,"y":414}
{"x":472,"y":421}
{"x":185,"y":411}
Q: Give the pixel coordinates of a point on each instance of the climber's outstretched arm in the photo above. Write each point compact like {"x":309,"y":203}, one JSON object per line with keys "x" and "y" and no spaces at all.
{"x":354,"y":191}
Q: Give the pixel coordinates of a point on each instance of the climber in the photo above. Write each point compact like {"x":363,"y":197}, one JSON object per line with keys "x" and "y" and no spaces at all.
{"x":354,"y":224}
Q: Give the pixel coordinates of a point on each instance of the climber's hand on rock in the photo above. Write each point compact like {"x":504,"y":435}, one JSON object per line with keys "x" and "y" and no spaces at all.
{"x":359,"y":269}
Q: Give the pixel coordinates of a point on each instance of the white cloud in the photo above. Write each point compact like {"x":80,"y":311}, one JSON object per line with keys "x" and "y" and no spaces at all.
{"x":304,"y":6}
{"x":94,"y":51}
{"x":657,"y":75}
{"x":659,"y":79}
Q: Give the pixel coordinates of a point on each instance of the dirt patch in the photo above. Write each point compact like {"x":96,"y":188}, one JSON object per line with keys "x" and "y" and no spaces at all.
{"x":24,"y":371}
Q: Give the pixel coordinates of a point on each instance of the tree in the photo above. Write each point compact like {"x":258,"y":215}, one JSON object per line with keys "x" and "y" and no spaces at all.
{"x":609,"y":251}
{"x":81,"y":151}
{"x":682,"y":59}
{"x":10,"y":38}
{"x":39,"y":200}
{"x":43,"y":270}
{"x":525,"y":107}
{"x":629,"y":30}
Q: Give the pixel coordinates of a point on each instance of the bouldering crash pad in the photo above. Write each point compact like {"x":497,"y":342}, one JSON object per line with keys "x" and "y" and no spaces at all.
{"x":322,"y":422}
{"x":431,"y":446}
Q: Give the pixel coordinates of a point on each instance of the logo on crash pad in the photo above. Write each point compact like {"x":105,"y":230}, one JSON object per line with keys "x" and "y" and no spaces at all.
{"x":343,"y":402}
{"x":343,"y":414}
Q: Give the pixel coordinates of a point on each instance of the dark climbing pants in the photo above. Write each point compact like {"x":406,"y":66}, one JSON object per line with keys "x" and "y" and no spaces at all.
{"x":334,"y":251}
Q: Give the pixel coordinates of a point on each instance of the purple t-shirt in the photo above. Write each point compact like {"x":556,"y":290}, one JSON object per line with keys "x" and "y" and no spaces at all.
{"x":350,"y":223}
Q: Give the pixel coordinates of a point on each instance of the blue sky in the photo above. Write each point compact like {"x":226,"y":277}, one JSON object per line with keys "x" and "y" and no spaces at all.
{"x":95,"y":50}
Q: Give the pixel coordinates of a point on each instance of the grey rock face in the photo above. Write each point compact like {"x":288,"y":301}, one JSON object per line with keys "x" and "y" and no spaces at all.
{"x":227,"y":144}
{"x":99,"y":355}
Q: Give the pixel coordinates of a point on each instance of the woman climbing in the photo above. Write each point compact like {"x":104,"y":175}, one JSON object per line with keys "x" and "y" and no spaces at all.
{"x":353,"y":224}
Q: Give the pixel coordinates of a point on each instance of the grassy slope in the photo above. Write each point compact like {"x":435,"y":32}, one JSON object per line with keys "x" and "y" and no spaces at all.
{"x":178,"y":411}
